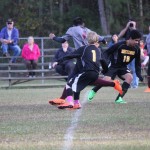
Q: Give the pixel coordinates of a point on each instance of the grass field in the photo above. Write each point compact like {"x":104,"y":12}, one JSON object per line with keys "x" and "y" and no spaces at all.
{"x":28,"y":122}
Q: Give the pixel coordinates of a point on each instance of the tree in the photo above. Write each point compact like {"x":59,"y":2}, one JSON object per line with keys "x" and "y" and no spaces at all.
{"x":102,"y":15}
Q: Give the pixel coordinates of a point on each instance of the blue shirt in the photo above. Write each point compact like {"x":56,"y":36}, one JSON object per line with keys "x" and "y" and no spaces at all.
{"x":14,"y":35}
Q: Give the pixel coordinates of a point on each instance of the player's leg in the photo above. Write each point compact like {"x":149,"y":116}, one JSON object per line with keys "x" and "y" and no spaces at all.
{"x":61,"y":100}
{"x":125,"y":86}
{"x":105,"y":82}
{"x":77,"y":104}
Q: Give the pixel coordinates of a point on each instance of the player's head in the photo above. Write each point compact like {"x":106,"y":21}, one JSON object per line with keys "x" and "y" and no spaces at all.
{"x":135,"y":37}
{"x":77,"y":21}
{"x":92,"y":37}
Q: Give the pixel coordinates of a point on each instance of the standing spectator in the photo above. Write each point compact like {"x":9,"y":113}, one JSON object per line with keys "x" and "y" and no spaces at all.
{"x":31,"y":54}
{"x":148,"y":51}
{"x":114,"y":40}
{"x":67,"y":66}
{"x":125,"y":33}
{"x":9,"y":37}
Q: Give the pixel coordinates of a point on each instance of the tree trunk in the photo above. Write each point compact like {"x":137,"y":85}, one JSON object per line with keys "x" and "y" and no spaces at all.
{"x":141,"y":14}
{"x":129,"y":11}
{"x":102,"y":16}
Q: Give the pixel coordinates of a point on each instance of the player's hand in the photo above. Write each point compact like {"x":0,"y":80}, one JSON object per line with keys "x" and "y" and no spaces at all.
{"x":51,"y":36}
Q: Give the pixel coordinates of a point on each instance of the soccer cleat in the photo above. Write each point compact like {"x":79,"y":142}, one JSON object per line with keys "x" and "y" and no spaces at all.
{"x":77,"y":106}
{"x":66,"y":105}
{"x":91,"y":95}
{"x":57,"y":101}
{"x":120,"y":101}
{"x":118,"y":86}
{"x":147,"y":90}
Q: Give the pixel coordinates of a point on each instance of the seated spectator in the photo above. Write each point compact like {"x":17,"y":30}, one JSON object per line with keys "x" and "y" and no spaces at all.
{"x":67,"y":66}
{"x":114,"y":40}
{"x":9,"y":37}
{"x":31,"y":54}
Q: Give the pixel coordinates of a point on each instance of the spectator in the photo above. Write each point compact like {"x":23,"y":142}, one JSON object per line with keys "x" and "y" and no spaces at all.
{"x":114,"y":40}
{"x":148,"y":51}
{"x":31,"y":54}
{"x":67,"y":66}
{"x":9,"y":37}
{"x":144,"y":56}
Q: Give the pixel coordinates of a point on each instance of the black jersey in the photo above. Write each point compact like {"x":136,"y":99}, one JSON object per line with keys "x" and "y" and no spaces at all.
{"x":88,"y":58}
{"x":120,"y":55}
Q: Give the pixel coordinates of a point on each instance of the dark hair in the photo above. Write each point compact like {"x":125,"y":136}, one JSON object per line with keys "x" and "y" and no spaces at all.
{"x":135,"y":34}
{"x":77,"y":21}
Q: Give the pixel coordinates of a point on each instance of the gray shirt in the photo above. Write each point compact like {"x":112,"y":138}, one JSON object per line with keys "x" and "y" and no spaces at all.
{"x":79,"y":35}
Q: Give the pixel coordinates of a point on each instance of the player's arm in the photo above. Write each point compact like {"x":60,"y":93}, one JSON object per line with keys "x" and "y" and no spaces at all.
{"x":110,"y":51}
{"x":75,"y":54}
{"x":57,"y":39}
{"x":138,"y":66}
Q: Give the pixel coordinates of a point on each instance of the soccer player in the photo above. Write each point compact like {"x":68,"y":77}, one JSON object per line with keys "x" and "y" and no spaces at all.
{"x":120,"y":55}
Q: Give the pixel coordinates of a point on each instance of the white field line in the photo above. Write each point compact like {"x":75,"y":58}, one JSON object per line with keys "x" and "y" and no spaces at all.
{"x":68,"y":137}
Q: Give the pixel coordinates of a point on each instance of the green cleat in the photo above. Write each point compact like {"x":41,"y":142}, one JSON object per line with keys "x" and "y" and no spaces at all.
{"x":91,"y":95}
{"x":120,"y":101}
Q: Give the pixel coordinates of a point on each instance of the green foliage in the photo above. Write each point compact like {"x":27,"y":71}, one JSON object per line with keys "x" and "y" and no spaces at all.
{"x":41,"y":17}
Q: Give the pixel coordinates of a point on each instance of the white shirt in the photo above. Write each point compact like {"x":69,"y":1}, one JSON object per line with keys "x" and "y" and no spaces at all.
{"x":9,"y":34}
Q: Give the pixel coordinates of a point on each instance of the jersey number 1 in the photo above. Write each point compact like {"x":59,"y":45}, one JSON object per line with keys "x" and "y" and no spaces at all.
{"x":94,"y":55}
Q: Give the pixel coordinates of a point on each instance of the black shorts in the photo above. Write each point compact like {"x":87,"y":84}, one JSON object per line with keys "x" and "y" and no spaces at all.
{"x":81,"y":80}
{"x":117,"y":71}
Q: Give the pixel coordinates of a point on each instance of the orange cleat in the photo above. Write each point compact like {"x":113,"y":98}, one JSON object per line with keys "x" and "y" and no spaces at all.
{"x":57,"y":101}
{"x":118,"y":86}
{"x":66,"y":105}
{"x":147,"y":90}
{"x":77,"y":106}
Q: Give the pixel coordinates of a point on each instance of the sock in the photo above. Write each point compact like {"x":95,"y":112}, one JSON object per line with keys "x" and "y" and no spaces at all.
{"x":64,"y":94}
{"x":70,"y":99}
{"x":125,"y":87}
{"x":76,"y":101}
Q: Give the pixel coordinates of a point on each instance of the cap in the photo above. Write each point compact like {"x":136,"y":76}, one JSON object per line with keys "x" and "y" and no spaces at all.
{"x":9,"y":20}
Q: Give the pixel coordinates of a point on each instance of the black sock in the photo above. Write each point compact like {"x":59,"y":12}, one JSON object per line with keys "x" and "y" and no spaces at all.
{"x":64,"y":94}
{"x":69,"y":92}
{"x":96,"y":88}
{"x":125,"y":87}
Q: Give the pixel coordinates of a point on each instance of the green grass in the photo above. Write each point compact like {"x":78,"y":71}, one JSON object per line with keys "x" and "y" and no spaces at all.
{"x":28,"y":122}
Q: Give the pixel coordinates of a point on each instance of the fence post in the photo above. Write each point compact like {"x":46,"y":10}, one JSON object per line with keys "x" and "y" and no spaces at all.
{"x":42,"y":54}
{"x":9,"y":75}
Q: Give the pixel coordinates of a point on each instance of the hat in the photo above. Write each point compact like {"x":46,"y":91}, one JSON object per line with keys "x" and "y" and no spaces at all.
{"x":9,"y":20}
